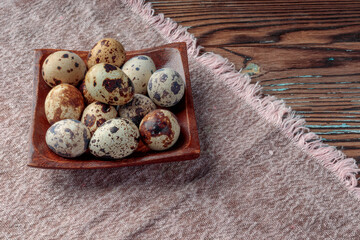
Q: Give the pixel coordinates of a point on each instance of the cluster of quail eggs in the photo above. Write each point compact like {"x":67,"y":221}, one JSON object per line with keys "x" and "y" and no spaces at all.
{"x":107,"y":105}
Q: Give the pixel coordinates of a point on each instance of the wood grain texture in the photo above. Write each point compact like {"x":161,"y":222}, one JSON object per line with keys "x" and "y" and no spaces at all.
{"x":305,"y":52}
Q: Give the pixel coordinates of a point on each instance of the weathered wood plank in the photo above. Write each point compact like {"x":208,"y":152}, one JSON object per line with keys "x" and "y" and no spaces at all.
{"x":304,"y":52}
{"x":219,"y":23}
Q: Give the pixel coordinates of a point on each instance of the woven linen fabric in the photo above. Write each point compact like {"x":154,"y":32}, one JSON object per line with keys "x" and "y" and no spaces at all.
{"x":250,"y":182}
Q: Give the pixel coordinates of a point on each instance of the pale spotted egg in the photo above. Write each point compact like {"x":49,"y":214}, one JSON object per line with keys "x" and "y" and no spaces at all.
{"x":139,"y":69}
{"x":166,"y":87}
{"x":115,"y":139}
{"x":68,"y":138}
{"x":63,"y":67}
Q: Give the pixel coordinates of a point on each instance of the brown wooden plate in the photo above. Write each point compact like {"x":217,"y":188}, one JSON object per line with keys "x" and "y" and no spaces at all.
{"x":187,"y":147}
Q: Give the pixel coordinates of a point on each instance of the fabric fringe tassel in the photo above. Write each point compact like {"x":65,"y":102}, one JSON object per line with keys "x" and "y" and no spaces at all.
{"x":269,"y":107}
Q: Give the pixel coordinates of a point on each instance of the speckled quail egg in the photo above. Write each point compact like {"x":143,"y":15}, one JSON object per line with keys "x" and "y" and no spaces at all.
{"x":159,"y":129}
{"x":139,"y":69}
{"x":87,"y":97}
{"x":96,"y":114}
{"x":109,"y":84}
{"x":166,"y":87}
{"x":107,"y":50}
{"x":68,"y":138}
{"x":115,"y":139}
{"x":137,"y":108}
{"x":63,"y":67}
{"x":63,"y":102}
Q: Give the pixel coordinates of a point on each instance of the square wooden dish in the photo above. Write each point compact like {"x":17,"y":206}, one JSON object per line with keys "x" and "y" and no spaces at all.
{"x":187,"y":147}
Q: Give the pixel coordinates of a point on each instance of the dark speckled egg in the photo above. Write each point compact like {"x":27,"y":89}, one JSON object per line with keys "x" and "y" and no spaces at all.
{"x":166,"y":87}
{"x":68,"y":138}
{"x":115,"y":139}
{"x":137,"y":108}
{"x":159,"y":129}
{"x":96,"y":114}
{"x":109,"y":84}
{"x":107,"y":50}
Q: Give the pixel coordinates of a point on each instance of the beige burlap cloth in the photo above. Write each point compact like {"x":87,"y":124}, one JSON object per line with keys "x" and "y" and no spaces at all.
{"x":252,"y":180}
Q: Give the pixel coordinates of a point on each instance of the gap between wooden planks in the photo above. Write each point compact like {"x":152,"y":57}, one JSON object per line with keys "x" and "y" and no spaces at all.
{"x":305,"y":52}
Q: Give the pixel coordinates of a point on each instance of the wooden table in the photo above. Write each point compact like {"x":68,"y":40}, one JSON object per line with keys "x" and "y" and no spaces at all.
{"x":305,"y":52}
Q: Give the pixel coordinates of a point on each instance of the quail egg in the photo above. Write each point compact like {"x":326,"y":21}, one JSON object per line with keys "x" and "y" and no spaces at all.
{"x":137,"y":108}
{"x":63,"y":102}
{"x":107,"y":50}
{"x":63,"y":67}
{"x":96,"y":114}
{"x":159,"y":129}
{"x":87,"y":97}
{"x":166,"y":87}
{"x":139,"y":69}
{"x":115,"y":139}
{"x":109,"y":84}
{"x":68,"y":138}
